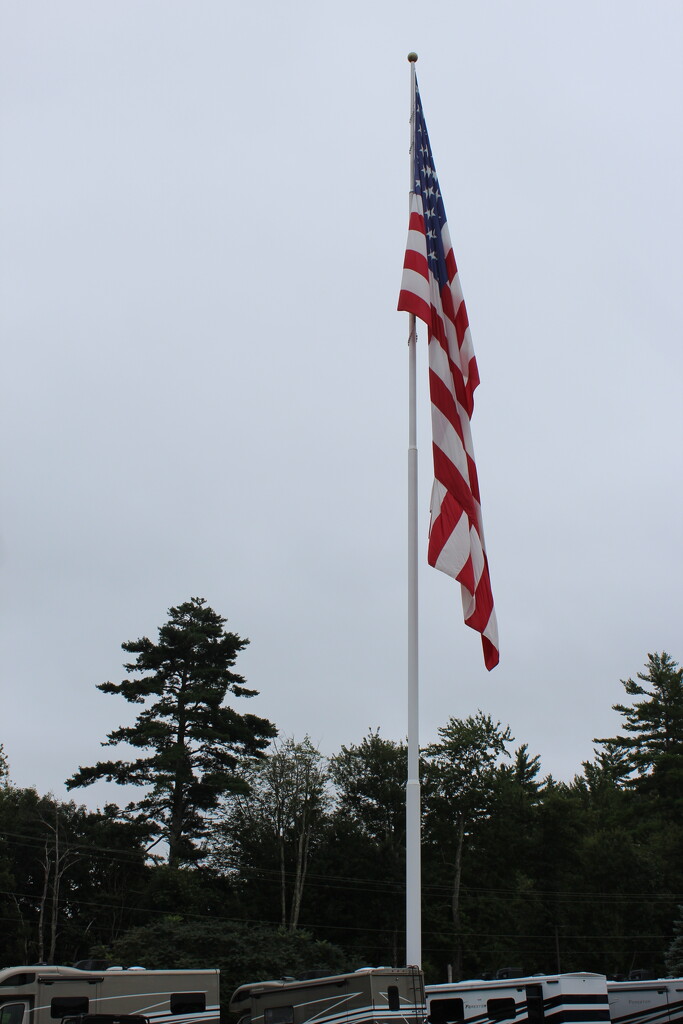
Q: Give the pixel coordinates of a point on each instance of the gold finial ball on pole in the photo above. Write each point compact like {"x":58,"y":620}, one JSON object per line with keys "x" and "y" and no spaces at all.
{"x":412,"y":57}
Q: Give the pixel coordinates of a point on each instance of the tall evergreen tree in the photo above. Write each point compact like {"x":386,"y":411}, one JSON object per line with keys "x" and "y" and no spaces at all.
{"x":653,"y":727}
{"x":196,"y":742}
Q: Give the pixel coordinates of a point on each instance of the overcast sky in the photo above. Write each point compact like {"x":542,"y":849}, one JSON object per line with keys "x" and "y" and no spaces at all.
{"x":204,"y":384}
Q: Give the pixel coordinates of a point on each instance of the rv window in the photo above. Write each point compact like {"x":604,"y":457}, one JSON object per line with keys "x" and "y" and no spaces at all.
{"x":446,"y":1011}
{"x":12,"y":1013}
{"x":393,"y":997}
{"x":278,"y":1015}
{"x":500,"y":1009}
{"x":19,"y":979}
{"x":188,"y":1002}
{"x":68,"y":1006}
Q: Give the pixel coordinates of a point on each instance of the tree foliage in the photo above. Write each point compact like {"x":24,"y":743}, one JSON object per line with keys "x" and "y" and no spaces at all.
{"x":653,"y":727}
{"x":282,"y":811}
{"x":197,"y":743}
{"x":519,"y":869}
{"x":370,"y":780}
{"x":66,"y":876}
{"x":363,"y":853}
{"x":242,"y":951}
{"x":674,"y":954}
{"x":460,"y":778}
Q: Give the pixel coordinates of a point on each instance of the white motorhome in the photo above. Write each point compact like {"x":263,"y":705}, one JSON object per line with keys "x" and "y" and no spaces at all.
{"x":537,"y":999}
{"x":374,"y":995}
{"x":646,"y":1002}
{"x":44,"y":994}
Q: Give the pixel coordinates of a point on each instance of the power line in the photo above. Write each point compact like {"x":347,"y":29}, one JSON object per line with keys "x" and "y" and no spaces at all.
{"x":370,"y":885}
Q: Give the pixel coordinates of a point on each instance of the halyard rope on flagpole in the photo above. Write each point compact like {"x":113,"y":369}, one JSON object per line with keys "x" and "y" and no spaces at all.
{"x":413,"y":880}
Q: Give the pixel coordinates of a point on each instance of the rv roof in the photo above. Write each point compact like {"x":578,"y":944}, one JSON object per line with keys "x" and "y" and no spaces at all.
{"x":52,"y":972}
{"x":256,"y":988}
{"x":510,"y":982}
{"x":638,"y":986}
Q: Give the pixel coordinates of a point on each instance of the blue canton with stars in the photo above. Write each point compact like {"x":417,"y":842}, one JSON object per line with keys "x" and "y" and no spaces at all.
{"x":427,"y":186}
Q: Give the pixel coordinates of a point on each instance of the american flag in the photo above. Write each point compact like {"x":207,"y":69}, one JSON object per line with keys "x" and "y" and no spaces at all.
{"x":430,"y":289}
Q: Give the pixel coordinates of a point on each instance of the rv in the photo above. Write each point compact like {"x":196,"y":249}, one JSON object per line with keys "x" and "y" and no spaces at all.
{"x":646,"y":1002}
{"x":43,"y":994}
{"x":373,"y":995}
{"x":537,"y":999}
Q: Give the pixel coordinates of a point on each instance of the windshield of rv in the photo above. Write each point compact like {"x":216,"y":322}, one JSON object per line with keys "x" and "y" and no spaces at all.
{"x":12,"y":1013}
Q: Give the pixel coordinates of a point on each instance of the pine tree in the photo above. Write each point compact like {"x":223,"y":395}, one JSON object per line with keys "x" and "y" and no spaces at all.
{"x":197,"y":743}
{"x":653,"y":728}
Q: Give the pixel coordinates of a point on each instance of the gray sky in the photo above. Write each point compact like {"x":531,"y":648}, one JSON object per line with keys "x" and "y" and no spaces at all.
{"x":203,"y":216}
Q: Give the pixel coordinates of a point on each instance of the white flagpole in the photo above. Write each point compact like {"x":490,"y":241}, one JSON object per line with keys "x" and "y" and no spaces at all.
{"x":413,"y":880}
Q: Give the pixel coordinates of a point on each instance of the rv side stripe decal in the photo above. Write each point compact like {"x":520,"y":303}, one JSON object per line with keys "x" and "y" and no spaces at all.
{"x":651,"y":1014}
{"x":361,"y":1014}
{"x":567,"y":1016}
{"x":575,"y":1000}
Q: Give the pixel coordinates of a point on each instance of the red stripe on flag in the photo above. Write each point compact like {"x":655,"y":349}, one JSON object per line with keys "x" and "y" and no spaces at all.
{"x":416,"y":261}
{"x":473,"y":478}
{"x":461,"y":323}
{"x":479,"y":618}
{"x":451,"y":265}
{"x":491,"y":656}
{"x":444,"y":400}
{"x":447,"y":304}
{"x":409,"y":302}
{"x":449,"y":475}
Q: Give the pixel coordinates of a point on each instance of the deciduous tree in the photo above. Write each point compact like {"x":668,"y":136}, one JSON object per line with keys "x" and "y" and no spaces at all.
{"x":459,"y":789}
{"x":242,"y":951}
{"x":278,"y":819}
{"x":363,"y":855}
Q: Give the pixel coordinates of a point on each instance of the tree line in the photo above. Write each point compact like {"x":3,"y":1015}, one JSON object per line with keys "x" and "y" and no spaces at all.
{"x":254,"y":853}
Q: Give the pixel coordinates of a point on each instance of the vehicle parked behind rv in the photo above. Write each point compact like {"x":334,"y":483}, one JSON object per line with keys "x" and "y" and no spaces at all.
{"x":379,"y":995}
{"x":536,"y":999}
{"x":43,"y":994}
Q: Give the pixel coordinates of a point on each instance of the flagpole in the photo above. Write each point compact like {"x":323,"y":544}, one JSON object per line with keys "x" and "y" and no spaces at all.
{"x":413,"y":870}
